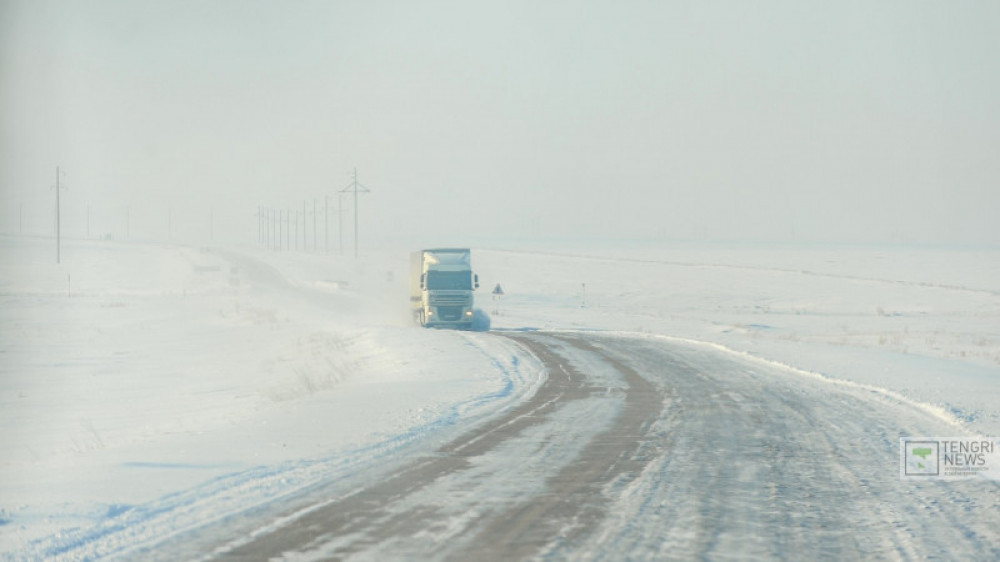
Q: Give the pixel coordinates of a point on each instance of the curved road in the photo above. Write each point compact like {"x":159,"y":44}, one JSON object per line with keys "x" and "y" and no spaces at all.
{"x":645,"y":448}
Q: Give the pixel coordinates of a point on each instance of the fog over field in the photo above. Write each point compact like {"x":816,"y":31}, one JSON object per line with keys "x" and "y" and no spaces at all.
{"x":735,"y":258}
{"x":504,"y":121}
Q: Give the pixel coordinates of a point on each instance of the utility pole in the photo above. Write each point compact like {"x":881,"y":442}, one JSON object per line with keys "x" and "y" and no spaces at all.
{"x":326,"y":221}
{"x":355,"y":187}
{"x":58,"y":219}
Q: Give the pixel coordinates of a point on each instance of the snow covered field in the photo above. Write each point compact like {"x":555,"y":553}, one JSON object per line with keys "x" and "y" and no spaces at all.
{"x":922,"y":322}
{"x":156,"y":388}
{"x":134,"y":373}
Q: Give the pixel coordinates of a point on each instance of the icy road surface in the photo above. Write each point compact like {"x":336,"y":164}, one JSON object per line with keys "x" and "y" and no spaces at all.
{"x":644,"y":448}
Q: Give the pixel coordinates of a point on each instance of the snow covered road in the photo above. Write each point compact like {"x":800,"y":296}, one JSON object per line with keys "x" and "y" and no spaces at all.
{"x":643,"y":448}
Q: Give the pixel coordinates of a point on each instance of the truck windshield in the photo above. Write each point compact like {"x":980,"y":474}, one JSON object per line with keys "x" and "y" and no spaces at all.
{"x":449,"y":280}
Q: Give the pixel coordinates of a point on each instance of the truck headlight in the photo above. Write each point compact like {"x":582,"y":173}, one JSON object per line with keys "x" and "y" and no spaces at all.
{"x":468,"y":313}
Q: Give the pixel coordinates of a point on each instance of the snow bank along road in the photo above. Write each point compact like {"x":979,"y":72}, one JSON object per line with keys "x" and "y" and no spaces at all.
{"x":645,"y":447}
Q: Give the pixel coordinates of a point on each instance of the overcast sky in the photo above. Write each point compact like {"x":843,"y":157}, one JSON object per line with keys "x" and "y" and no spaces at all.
{"x":807,"y":121}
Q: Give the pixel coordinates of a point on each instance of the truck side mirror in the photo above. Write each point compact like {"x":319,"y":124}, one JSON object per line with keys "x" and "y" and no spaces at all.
{"x":475,"y":281}
{"x":423,"y":277}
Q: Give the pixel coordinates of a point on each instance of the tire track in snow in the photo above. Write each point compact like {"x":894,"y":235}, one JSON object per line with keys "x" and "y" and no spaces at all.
{"x":642,"y":448}
{"x":573,"y":503}
{"x":761,"y":462}
{"x":406,"y":515}
{"x":379,"y":514}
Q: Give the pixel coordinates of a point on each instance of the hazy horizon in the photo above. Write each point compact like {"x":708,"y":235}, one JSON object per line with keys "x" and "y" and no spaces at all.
{"x":777,"y":121}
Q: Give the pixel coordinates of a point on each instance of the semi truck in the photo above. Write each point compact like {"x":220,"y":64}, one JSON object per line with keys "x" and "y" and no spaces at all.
{"x":441,"y":287}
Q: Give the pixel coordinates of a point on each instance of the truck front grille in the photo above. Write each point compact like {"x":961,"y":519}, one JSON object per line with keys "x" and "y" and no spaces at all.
{"x":450,"y":313}
{"x":454,"y":299}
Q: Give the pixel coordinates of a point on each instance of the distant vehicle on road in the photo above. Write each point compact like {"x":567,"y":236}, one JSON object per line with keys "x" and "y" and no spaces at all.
{"x":441,"y":288}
